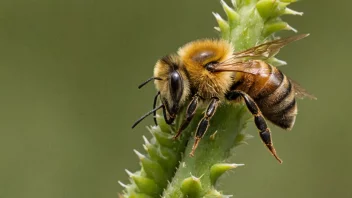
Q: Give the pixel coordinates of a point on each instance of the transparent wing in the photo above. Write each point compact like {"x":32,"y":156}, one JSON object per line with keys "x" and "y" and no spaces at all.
{"x":250,"y":66}
{"x":267,"y":50}
{"x":300,"y":91}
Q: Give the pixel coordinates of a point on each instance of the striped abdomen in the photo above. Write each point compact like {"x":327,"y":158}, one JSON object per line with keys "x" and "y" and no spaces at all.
{"x":273,"y":93}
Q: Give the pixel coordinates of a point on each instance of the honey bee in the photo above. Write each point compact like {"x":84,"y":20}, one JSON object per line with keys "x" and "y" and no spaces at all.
{"x":209,"y":71}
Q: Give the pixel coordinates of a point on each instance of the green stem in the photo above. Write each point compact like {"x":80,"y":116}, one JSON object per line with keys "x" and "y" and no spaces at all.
{"x":224,"y":132}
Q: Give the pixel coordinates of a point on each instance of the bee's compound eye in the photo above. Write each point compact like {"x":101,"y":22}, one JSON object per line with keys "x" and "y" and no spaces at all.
{"x":210,"y":66}
{"x":176,"y":85}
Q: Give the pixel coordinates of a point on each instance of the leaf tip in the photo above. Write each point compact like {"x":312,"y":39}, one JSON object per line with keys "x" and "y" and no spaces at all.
{"x":140,"y":155}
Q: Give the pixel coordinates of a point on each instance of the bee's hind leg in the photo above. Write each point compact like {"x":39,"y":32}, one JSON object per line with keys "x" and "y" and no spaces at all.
{"x":191,"y":110}
{"x":204,"y":122}
{"x":259,"y":120}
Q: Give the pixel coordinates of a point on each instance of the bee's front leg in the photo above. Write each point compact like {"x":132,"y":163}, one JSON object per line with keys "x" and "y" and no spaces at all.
{"x":154,"y":105}
{"x":191,"y":110}
{"x":204,"y":122}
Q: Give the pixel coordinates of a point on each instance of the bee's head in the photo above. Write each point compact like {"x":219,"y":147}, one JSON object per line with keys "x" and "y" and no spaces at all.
{"x":174,"y":86}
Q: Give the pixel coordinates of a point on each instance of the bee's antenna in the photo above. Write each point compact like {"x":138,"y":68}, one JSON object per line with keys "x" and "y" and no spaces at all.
{"x":146,"y":115}
{"x":147,"y":81}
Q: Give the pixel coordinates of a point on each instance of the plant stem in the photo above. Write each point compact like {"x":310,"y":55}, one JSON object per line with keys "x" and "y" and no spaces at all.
{"x":214,"y":148}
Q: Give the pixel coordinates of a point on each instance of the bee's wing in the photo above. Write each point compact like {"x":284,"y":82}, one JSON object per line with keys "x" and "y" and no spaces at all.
{"x":267,"y":50}
{"x":300,"y":91}
{"x":249,"y":66}
{"x":254,"y":67}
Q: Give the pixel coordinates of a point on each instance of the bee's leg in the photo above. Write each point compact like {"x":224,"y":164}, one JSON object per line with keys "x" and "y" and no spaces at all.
{"x":259,"y":120}
{"x":191,"y":110}
{"x":204,"y":122}
{"x":154,"y":105}
{"x":167,"y":119}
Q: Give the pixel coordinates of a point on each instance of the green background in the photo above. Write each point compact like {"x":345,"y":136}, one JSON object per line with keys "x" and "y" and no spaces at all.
{"x":69,"y":72}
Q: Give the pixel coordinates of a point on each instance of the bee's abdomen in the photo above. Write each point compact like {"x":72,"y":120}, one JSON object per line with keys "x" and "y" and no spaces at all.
{"x":276,"y":99}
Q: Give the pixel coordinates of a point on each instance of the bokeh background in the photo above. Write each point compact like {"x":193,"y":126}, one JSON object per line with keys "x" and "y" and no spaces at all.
{"x":69,"y":72}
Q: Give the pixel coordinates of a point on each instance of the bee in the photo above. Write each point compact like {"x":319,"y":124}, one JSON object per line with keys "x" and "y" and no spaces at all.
{"x":210,"y":72}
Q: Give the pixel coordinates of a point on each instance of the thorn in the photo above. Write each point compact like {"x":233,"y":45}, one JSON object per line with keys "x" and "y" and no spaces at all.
{"x":145,"y":147}
{"x":154,"y":127}
{"x":140,"y":155}
{"x":232,"y":16}
{"x":146,"y":141}
{"x":201,"y":176}
{"x":212,"y":136}
{"x":293,"y":12}
{"x":216,"y":15}
{"x":234,"y":3}
{"x":222,"y":23}
{"x":149,"y":128}
{"x":217,"y":29}
{"x":236,"y":165}
{"x":291,"y":28}
{"x":122,"y":184}
{"x":222,"y":2}
{"x":128,"y":173}
{"x":195,"y":178}
{"x":219,"y":169}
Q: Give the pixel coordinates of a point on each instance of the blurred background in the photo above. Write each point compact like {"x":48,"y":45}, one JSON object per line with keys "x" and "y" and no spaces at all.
{"x":69,"y":72}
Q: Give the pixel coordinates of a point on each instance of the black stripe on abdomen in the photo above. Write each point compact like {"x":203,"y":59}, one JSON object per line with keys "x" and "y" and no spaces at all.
{"x":280,"y":106}
{"x":285,"y":118}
